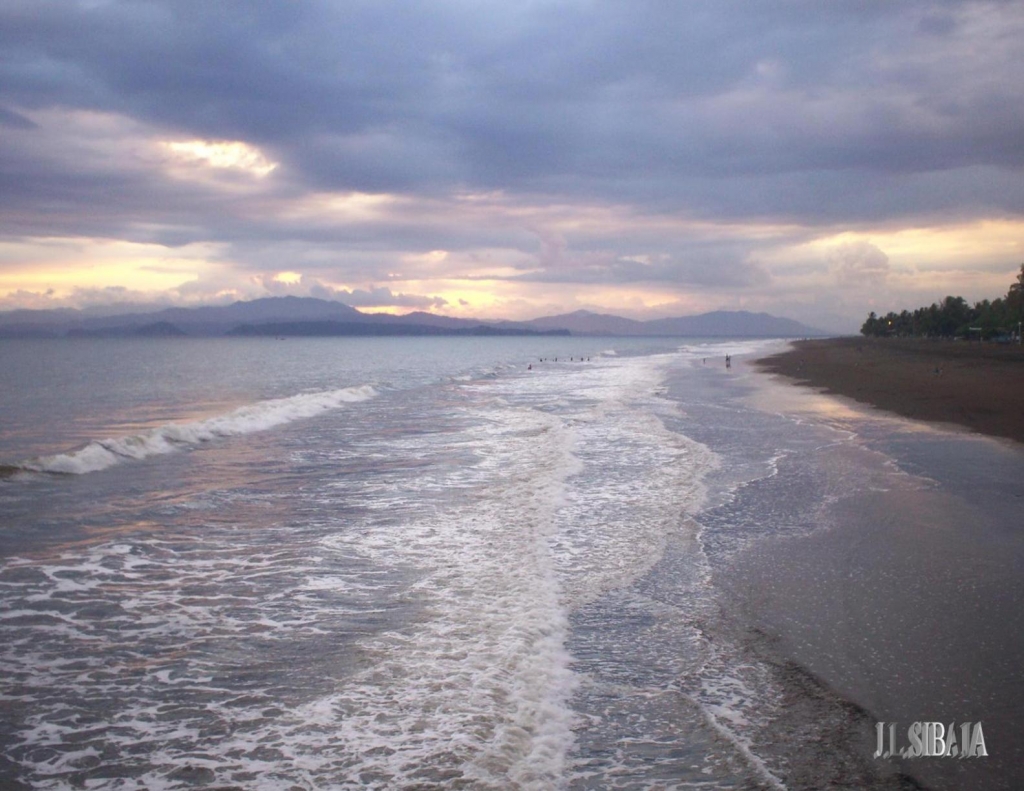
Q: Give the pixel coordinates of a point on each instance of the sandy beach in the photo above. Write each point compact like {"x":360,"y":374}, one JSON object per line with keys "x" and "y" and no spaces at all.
{"x":907,"y":605}
{"x":979,"y":386}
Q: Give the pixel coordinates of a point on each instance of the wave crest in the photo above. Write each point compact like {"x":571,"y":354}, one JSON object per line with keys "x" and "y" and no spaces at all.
{"x":100,"y":454}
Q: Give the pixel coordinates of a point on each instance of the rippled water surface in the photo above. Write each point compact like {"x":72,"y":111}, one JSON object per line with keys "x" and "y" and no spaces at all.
{"x":392,"y":563}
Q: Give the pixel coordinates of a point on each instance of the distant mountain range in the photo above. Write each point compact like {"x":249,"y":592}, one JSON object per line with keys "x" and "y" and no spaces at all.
{"x":306,"y":316}
{"x":719,"y":323}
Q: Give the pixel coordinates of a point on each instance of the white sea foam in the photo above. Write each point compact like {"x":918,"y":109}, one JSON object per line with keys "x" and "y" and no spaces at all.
{"x":733,"y":699}
{"x":100,"y":454}
{"x":638,"y":479}
{"x":421,"y":606}
{"x":480,"y":690}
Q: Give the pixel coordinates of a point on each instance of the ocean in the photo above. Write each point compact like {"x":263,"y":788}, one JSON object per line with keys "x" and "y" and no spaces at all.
{"x":486,"y":563}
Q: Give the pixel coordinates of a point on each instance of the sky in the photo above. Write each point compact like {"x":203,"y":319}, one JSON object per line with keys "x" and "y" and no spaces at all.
{"x":649,"y":158}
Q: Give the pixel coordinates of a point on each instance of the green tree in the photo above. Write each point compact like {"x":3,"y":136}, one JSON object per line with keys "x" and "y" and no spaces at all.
{"x":954,"y":316}
{"x":1015,"y":300}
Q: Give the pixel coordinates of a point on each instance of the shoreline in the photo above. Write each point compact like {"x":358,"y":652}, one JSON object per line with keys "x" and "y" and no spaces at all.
{"x":905,"y":602}
{"x":979,"y":386}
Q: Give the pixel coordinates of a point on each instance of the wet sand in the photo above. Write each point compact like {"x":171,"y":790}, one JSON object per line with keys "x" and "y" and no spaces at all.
{"x":907,"y":615}
{"x":908,"y":603}
{"x":976,"y":385}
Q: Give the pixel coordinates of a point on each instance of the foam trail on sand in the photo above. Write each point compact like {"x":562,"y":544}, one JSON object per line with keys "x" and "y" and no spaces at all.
{"x":262,"y":415}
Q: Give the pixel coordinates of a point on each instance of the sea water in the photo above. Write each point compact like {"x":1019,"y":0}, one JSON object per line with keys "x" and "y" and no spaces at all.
{"x":393,"y":562}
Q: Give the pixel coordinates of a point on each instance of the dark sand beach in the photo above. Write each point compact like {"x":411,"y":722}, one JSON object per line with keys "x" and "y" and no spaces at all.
{"x":977,"y":385}
{"x":909,"y":604}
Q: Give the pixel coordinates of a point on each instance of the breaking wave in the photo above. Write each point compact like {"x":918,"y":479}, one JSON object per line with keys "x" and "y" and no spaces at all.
{"x":262,"y":415}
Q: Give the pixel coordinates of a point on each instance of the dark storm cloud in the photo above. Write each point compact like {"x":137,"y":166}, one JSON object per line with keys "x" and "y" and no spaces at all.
{"x":808,"y":112}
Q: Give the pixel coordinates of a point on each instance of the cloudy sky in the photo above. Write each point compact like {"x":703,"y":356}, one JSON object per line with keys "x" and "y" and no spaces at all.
{"x":513,"y":159}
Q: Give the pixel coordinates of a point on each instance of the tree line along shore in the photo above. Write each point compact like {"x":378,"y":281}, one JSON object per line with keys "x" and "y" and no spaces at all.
{"x":998,"y":320}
